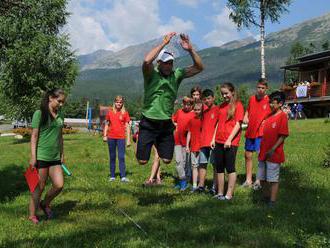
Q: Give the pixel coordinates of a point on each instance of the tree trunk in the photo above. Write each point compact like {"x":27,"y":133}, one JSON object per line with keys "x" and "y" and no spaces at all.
{"x":262,"y":39}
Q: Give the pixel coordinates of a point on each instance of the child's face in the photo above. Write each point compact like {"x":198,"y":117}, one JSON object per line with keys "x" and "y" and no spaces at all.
{"x":208,"y":101}
{"x":226,"y":94}
{"x":56,"y":102}
{"x":119,"y":104}
{"x":198,"y":110}
{"x":261,"y":90}
{"x":186,"y":106}
{"x":275,"y":105}
{"x":196,"y":95}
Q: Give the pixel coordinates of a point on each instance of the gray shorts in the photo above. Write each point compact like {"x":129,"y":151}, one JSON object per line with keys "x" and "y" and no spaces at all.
{"x":194,"y":159}
{"x":268,"y":171}
{"x":205,"y":155}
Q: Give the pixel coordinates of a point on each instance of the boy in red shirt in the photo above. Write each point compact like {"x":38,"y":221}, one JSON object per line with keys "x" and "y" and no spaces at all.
{"x":258,"y":109}
{"x":193,"y":141}
{"x":275,"y":130}
{"x":181,"y":119}
{"x":226,"y":140}
{"x":210,"y":113}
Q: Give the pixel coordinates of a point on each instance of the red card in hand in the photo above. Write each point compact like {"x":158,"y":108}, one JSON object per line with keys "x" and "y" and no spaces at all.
{"x":32,"y":178}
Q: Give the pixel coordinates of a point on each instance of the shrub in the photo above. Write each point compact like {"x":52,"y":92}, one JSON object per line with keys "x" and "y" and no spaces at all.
{"x":25,"y":132}
{"x":70,"y":131}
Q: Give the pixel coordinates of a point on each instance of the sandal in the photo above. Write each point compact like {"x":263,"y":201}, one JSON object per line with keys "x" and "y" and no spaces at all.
{"x":158,"y":181}
{"x":46,"y":209}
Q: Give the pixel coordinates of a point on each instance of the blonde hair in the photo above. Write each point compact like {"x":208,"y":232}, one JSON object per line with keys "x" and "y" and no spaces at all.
{"x":199,"y":102}
{"x":233,"y":100}
{"x":117,"y":98}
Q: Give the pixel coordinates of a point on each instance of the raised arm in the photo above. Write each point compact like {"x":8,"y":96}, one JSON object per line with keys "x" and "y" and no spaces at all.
{"x":147,"y":66}
{"x":197,"y":65}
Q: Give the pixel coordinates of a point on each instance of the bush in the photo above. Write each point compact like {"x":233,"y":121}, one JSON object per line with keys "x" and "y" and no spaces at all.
{"x":70,"y":131}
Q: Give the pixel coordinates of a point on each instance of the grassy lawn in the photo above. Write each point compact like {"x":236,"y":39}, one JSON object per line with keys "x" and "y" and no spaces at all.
{"x":92,"y":212}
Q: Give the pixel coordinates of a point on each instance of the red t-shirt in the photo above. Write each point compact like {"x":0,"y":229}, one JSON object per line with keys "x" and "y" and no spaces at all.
{"x":257,"y":112}
{"x":195,"y":129}
{"x":181,"y":118}
{"x":117,"y":124}
{"x":208,"y":125}
{"x":274,"y":126}
{"x":225,"y":127}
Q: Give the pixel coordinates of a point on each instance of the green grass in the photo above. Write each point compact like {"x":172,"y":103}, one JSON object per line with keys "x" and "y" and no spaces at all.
{"x":90,"y":210}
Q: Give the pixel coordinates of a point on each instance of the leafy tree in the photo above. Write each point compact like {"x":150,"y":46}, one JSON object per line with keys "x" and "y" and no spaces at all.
{"x":325,"y":45}
{"x":256,"y":12}
{"x":75,"y":109}
{"x":34,"y":56}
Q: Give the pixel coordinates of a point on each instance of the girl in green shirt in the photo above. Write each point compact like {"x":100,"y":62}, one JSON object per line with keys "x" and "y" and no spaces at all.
{"x":47,"y":151}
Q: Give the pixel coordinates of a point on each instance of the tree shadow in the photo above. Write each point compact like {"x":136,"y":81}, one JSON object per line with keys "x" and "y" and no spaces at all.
{"x":146,"y":198}
{"x":12,"y":182}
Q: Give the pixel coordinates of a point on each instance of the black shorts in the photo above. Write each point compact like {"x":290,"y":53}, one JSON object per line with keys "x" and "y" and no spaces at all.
{"x":224,"y":158}
{"x":46,"y":164}
{"x":158,"y":133}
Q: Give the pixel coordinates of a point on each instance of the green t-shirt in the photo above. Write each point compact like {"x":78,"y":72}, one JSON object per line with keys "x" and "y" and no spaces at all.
{"x":160,"y":93}
{"x":49,"y":146}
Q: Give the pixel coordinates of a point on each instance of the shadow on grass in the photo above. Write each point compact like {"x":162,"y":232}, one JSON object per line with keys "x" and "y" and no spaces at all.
{"x":21,"y":141}
{"x":146,"y":199}
{"x":12,"y":182}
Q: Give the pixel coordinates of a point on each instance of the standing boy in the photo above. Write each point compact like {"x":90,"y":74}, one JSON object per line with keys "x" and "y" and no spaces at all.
{"x":209,"y":121}
{"x":271,"y":156}
{"x":258,"y":109}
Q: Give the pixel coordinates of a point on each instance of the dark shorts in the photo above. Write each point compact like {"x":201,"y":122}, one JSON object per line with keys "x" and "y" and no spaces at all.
{"x":224,"y":158}
{"x":252,"y":145}
{"x":47,"y":164}
{"x":158,"y":133}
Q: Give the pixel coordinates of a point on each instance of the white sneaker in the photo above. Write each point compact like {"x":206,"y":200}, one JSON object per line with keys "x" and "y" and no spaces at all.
{"x":124,"y":180}
{"x":111,"y":179}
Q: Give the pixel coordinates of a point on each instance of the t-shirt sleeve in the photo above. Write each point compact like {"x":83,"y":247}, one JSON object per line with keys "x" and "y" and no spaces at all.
{"x":179,"y":74}
{"x":239,"y":113}
{"x":284,"y":127}
{"x":36,"y":119}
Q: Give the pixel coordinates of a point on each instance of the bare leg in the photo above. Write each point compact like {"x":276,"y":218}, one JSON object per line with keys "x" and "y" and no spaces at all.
{"x":35,"y":196}
{"x":202,"y":176}
{"x":248,"y":166}
{"x":220,"y":183}
{"x":265,"y":187}
{"x":155,"y":169}
{"x":273,"y":191}
{"x":194,"y":175}
{"x":56,"y":175}
{"x":231,"y":184}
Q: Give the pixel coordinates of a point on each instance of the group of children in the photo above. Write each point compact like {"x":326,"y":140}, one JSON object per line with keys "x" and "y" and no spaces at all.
{"x":207,"y":133}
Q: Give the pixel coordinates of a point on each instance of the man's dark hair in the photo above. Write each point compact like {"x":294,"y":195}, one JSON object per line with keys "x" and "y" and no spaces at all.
{"x":207,"y":92}
{"x":263,"y":81}
{"x":279,"y":96}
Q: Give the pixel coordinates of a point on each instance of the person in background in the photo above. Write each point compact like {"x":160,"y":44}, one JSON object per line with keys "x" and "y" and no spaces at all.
{"x":118,"y":123}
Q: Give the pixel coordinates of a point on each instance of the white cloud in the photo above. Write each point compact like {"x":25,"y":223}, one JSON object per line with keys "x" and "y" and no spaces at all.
{"x":190,"y":3}
{"x":120,"y":24}
{"x":224,"y":29}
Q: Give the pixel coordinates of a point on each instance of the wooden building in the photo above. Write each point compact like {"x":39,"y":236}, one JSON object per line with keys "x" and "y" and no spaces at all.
{"x":313,"y":86}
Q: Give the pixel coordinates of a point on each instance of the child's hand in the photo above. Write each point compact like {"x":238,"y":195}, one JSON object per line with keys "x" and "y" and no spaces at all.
{"x":33,"y":162}
{"x":269,"y":154}
{"x":187,"y":149}
{"x":128,"y":143}
{"x":105,"y":139}
{"x":167,"y":38}
{"x":227,"y":144}
{"x":212,"y":144}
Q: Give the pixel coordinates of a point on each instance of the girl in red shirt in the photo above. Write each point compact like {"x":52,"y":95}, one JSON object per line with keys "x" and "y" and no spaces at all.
{"x":226,"y":139}
{"x":114,"y":133}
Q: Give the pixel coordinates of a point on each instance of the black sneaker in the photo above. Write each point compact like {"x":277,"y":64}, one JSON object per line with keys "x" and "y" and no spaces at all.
{"x":201,"y":189}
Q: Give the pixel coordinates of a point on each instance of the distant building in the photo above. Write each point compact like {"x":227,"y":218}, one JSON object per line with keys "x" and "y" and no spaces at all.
{"x":313,"y":86}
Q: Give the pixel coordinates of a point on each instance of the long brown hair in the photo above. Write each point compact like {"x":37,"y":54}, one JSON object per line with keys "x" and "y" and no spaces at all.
{"x":119,"y":97}
{"x":232,"y":103}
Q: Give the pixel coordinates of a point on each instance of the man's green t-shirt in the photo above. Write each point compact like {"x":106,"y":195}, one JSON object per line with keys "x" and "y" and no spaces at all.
{"x":160,"y":93}
{"x":49,"y":146}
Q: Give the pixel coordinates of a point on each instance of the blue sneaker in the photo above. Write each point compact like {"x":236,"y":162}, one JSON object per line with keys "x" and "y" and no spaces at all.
{"x":183,"y":185}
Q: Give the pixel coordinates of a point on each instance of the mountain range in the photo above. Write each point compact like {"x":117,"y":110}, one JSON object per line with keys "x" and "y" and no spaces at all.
{"x":104,"y":74}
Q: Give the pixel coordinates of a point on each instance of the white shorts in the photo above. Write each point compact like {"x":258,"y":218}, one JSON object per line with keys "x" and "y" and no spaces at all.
{"x":268,"y":171}
{"x":194,"y":159}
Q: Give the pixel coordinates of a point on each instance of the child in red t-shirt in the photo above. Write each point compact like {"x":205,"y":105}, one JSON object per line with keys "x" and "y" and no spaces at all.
{"x":180,"y":120}
{"x":275,"y":130}
{"x":257,"y":110}
{"x":226,"y":139}
{"x":114,"y":134}
{"x":193,"y":140}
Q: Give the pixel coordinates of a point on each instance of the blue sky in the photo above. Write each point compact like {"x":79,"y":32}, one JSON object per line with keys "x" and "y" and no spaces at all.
{"x":116,"y":24}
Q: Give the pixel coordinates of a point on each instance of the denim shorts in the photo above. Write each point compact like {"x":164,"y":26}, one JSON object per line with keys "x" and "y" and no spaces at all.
{"x":252,"y":145}
{"x":205,"y":155}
